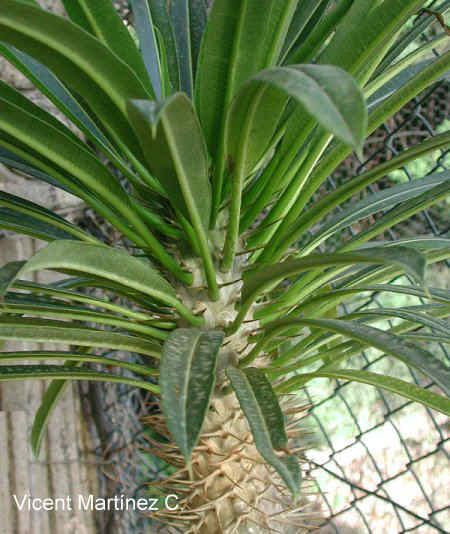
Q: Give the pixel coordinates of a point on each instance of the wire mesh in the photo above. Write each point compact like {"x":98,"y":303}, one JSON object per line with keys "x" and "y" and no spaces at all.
{"x":384,"y":463}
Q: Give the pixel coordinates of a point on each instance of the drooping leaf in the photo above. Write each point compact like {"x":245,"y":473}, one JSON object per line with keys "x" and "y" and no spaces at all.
{"x":319,"y":210}
{"x":381,"y":201}
{"x":60,"y":372}
{"x":29,"y":212}
{"x":56,"y":92}
{"x":260,"y":406}
{"x":110,"y":264}
{"x":328,"y":93}
{"x":49,"y":331}
{"x":395,"y":385}
{"x":77,"y":357}
{"x":80,"y":60}
{"x":49,"y":401}
{"x":17,"y":303}
{"x":257,"y":281}
{"x":388,"y":343}
{"x":187,"y":379}
{"x":29,"y":225}
{"x":103,"y":21}
{"x":334,"y":100}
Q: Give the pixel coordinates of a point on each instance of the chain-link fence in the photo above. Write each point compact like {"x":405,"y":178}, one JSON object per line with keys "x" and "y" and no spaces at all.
{"x":381,"y":464}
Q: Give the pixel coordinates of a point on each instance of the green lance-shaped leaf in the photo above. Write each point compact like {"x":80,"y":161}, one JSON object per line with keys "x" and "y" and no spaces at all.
{"x":148,"y":42}
{"x":307,"y":13}
{"x":72,"y":163}
{"x":330,"y":299}
{"x":49,"y":331}
{"x":60,"y":372}
{"x":260,"y":280}
{"x":198,"y":18}
{"x":106,"y":263}
{"x":49,"y":401}
{"x":361,"y":39}
{"x":416,"y":315}
{"x":403,"y":211}
{"x":179,"y":12}
{"x":327,"y":93}
{"x":262,"y":410}
{"x":187,"y":379}
{"x":44,"y":80}
{"x":322,"y":208}
{"x":32,"y":226}
{"x":76,"y":358}
{"x":102,"y":20}
{"x":74,"y":296}
{"x":80,"y":60}
{"x":391,"y":344}
{"x":308,"y":284}
{"x":241,"y":38}
{"x":18,"y":303}
{"x":16,"y":98}
{"x":39,"y":213}
{"x":389,"y":383}
{"x":175,"y":148}
{"x":165,"y":34}
{"x":382,"y":200}
{"x":57,"y":387}
{"x":8,"y":273}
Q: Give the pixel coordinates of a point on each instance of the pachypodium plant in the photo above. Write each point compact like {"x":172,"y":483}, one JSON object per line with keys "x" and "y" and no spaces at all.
{"x":206,"y":133}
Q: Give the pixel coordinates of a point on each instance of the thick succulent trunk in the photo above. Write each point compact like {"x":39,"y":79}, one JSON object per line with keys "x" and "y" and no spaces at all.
{"x":232,"y":489}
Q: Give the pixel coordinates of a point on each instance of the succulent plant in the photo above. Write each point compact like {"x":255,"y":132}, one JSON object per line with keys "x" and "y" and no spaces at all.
{"x":206,"y":134}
